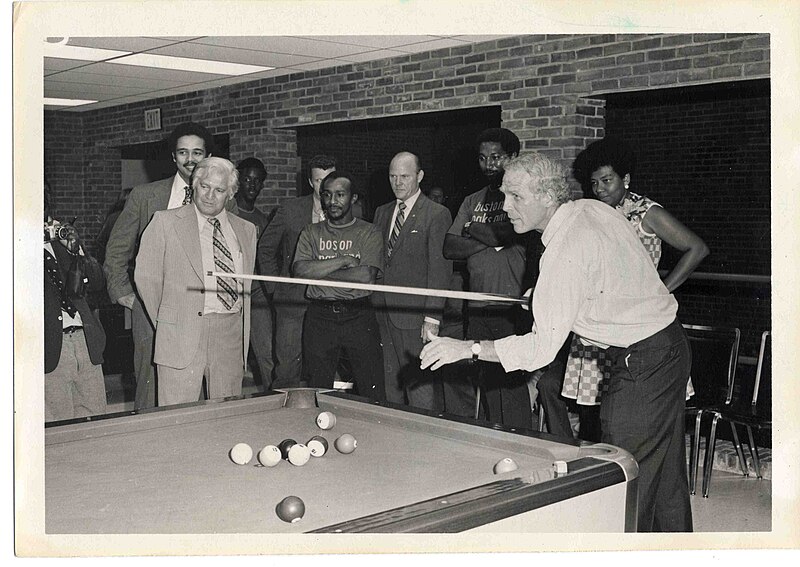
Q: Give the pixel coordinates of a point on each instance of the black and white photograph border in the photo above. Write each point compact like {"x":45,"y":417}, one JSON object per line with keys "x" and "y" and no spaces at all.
{"x":36,"y":23}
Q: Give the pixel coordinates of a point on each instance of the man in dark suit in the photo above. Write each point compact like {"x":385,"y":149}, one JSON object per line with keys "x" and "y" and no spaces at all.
{"x":275,"y":257}
{"x":414,"y":228}
{"x":73,"y":337}
{"x":189,"y":144}
{"x":202,"y":321}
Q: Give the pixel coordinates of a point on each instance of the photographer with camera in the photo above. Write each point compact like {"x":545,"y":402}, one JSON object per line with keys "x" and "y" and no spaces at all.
{"x":74,"y":339}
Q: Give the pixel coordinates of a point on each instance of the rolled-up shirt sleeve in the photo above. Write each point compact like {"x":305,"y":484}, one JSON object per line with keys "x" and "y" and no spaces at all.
{"x":559,"y":294}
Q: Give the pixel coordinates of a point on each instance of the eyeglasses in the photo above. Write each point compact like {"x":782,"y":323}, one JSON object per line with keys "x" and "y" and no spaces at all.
{"x":494,"y":158}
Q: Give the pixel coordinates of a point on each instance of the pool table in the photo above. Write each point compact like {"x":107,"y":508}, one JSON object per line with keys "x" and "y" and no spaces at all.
{"x":168,"y":471}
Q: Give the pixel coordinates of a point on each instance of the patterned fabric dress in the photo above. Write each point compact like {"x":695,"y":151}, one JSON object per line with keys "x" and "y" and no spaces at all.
{"x":587,"y":365}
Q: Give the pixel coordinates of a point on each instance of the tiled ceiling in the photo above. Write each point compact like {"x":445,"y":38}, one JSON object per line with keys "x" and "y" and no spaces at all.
{"x":113,"y":84}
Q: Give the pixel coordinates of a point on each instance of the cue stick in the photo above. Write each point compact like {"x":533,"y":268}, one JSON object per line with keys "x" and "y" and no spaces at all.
{"x":470,"y":295}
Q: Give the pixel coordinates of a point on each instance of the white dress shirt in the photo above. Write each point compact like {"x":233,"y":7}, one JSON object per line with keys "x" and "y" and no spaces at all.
{"x":206,"y":229}
{"x":177,"y":193}
{"x":597,"y":280}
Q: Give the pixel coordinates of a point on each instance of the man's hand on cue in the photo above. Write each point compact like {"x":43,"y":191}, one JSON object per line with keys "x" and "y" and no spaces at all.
{"x":443,"y":350}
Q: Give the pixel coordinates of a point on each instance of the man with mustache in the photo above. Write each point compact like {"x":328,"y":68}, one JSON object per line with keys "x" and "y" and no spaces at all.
{"x":341,"y":248}
{"x":189,"y":143}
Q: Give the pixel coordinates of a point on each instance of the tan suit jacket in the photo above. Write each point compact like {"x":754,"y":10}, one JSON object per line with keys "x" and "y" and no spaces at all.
{"x":169,"y":278}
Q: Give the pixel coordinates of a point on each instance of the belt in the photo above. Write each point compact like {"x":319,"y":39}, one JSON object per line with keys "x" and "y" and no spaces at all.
{"x":339,"y":307}
{"x":72,"y":328}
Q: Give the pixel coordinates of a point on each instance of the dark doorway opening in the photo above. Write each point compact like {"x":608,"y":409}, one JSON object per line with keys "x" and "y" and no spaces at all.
{"x":444,"y":142}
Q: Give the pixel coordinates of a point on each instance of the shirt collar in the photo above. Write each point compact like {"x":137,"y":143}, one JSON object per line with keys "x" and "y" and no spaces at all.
{"x":178,"y":183}
{"x":411,"y":200}
{"x":561,"y":215}
{"x":222,"y":216}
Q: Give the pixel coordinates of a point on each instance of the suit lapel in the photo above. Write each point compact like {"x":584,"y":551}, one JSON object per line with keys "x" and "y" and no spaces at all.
{"x":159,"y":199}
{"x":412,"y":220}
{"x":189,"y":237}
{"x":248,"y":253}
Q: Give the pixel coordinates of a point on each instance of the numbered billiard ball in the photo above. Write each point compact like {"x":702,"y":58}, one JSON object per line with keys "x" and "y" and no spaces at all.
{"x":241,"y":453}
{"x":290,"y":509}
{"x":346,"y":444}
{"x":299,"y":454}
{"x":326,"y":420}
{"x":269,"y":456}
{"x":318,"y":445}
{"x":505,"y":465}
{"x":284,"y":447}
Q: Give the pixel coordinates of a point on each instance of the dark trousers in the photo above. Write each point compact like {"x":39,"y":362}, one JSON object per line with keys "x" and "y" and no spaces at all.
{"x":550,"y":399}
{"x":333,"y":328}
{"x":288,"y":351}
{"x":643,"y":412}
{"x":506,"y":398}
{"x":261,"y":324}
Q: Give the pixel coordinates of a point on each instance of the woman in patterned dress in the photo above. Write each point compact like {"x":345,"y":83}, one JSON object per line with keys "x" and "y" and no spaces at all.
{"x":606,"y":167}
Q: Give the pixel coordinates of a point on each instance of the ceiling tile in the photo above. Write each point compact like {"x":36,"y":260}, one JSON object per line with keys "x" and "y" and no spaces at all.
{"x":231,"y":55}
{"x":305,"y":46}
{"x":132,"y":44}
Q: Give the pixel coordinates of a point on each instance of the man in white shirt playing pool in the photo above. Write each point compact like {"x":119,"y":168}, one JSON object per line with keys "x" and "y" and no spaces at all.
{"x":597,"y":280}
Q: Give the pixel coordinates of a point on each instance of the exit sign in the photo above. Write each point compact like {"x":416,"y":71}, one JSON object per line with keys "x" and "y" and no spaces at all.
{"x":152,"y":119}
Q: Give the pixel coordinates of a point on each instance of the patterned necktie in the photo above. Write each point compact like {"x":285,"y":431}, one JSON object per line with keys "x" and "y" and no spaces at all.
{"x":398,"y":224}
{"x":188,"y":197}
{"x":226,"y":287}
{"x":51,"y":267}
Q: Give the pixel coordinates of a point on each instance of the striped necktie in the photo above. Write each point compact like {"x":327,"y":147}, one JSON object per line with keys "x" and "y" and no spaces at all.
{"x":398,"y":224}
{"x":226,"y":287}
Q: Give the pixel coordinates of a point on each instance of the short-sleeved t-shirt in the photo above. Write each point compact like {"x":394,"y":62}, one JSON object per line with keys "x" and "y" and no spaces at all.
{"x":491,"y":270}
{"x":323,"y":241}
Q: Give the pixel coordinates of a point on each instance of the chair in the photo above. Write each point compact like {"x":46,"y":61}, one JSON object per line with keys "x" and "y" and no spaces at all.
{"x":748,"y":409}
{"x":714,"y":354}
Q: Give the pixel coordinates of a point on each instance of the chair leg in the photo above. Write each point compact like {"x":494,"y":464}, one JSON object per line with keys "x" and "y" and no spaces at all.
{"x":709,"y":461}
{"x":753,"y":451}
{"x":694,"y":459}
{"x":477,"y":401}
{"x":541,"y":418}
{"x":739,"y":453}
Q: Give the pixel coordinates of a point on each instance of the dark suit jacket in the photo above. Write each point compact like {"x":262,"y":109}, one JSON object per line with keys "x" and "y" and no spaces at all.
{"x":169,"y":278}
{"x":123,"y":243}
{"x":53,"y":326}
{"x":276,"y":250}
{"x":416,"y":261}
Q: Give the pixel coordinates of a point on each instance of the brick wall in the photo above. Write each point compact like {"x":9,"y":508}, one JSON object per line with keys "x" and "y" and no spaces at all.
{"x":551,"y":90}
{"x":545,"y":84}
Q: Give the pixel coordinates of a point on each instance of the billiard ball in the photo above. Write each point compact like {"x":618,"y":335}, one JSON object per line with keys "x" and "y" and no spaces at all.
{"x":318,"y":445}
{"x":326,"y":420}
{"x":290,"y":509}
{"x":241,"y":453}
{"x":299,"y":454}
{"x":346,"y":444}
{"x":505,"y":465}
{"x":269,"y":456}
{"x":284,"y":447}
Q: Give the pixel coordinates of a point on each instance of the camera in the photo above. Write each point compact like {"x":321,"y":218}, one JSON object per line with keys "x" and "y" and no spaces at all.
{"x":55,"y":231}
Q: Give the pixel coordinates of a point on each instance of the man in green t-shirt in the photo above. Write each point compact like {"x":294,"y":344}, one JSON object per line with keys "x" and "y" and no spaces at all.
{"x":342,"y":248}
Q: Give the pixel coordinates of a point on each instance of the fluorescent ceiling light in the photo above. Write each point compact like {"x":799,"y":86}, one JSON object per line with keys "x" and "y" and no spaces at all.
{"x":187,"y":64}
{"x":66,"y":101}
{"x":61,"y":51}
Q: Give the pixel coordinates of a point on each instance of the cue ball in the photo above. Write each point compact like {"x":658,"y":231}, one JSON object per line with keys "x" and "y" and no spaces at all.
{"x":284,"y":447}
{"x":318,"y":445}
{"x":326,"y":420}
{"x":299,"y":454}
{"x":290,"y":509}
{"x":505,"y":465}
{"x":346,"y":444}
{"x":269,"y":456}
{"x":241,"y":453}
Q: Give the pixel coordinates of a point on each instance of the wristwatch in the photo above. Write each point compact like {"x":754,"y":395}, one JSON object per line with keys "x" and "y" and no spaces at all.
{"x":465,"y":231}
{"x":476,"y":350}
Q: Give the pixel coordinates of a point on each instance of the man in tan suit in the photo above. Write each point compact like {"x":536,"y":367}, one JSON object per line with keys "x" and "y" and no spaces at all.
{"x":202,"y":322}
{"x":189,"y":143}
